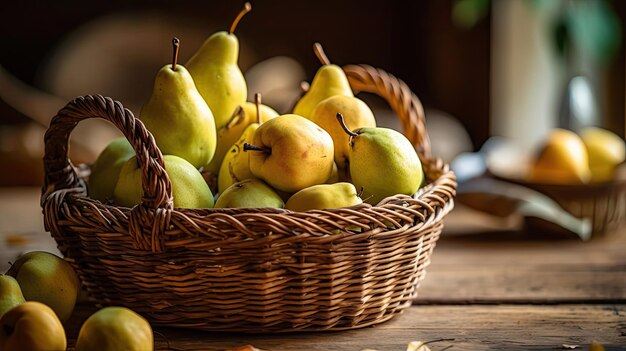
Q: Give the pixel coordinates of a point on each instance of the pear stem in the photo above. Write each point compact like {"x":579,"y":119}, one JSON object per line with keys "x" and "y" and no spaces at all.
{"x":175,"y":47}
{"x":235,"y":118}
{"x":250,"y":147}
{"x":257,"y":102}
{"x":321,"y":55}
{"x":342,"y":122}
{"x":247,"y":7}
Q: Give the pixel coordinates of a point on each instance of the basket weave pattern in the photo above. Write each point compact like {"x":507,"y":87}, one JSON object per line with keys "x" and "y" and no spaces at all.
{"x":248,"y":270}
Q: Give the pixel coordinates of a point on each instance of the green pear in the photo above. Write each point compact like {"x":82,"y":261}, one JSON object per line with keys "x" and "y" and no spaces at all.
{"x":113,"y":329}
{"x":249,"y":193}
{"x":215,"y":70}
{"x":10,"y":293}
{"x":291,"y":153}
{"x":227,"y":135}
{"x":356,"y":114}
{"x":329,"y":80}
{"x":318,"y":197}
{"x":188,"y":187}
{"x":178,"y":117}
{"x":106,"y":169}
{"x":383,"y":162}
{"x":32,"y":326}
{"x":49,"y":279}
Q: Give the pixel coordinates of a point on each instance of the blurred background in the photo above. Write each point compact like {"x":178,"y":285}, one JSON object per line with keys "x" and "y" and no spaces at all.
{"x":513,"y":68}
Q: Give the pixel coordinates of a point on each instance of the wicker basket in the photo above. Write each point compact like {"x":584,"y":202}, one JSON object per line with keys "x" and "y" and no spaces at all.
{"x":246,"y":270}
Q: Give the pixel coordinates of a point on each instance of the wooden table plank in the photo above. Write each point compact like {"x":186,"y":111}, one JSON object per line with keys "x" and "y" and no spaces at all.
{"x":477,"y":327}
{"x":514,"y":269}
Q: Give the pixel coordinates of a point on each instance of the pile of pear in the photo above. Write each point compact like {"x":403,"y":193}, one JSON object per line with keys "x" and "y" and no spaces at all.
{"x":593,"y":155}
{"x":223,"y":151}
{"x":37,"y":297}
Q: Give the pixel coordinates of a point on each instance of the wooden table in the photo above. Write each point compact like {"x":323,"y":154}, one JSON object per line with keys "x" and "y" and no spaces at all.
{"x":495,"y":291}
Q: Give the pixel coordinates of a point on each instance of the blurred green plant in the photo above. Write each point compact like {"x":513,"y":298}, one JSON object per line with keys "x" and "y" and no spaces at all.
{"x":580,"y":27}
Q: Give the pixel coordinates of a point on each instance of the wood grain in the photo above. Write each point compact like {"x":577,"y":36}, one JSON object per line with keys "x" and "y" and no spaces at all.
{"x":471,"y":327}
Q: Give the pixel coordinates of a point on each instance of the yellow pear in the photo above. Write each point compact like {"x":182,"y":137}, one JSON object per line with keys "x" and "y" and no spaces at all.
{"x":324,"y":196}
{"x":31,"y":326}
{"x":178,"y":117}
{"x":249,"y":193}
{"x":562,"y":159}
{"x":383,"y":162}
{"x":106,"y":169}
{"x":356,"y":114}
{"x":606,"y":151}
{"x":10,"y":293}
{"x":217,"y":75}
{"x":188,"y":187}
{"x":290,"y":153}
{"x":235,"y":166}
{"x":329,"y":80}
{"x":228,"y":134}
{"x":49,"y":279}
{"x":115,"y":329}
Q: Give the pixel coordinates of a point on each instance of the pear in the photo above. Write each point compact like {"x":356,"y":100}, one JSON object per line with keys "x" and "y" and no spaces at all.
{"x":606,"y":151}
{"x":290,"y":153}
{"x":249,"y":193}
{"x":115,"y":328}
{"x":106,"y":169}
{"x":227,"y":135}
{"x":49,"y":279}
{"x":178,"y":117}
{"x":329,"y":80}
{"x":324,"y":196}
{"x":562,"y":159}
{"x":10,"y":293}
{"x":188,"y":187}
{"x":356,"y":114}
{"x":235,"y":167}
{"x":32,"y":326}
{"x":383,"y":162}
{"x":216,"y":73}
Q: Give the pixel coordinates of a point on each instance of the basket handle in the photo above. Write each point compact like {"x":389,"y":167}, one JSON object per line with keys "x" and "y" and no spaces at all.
{"x":157,"y":188}
{"x":401,"y":99}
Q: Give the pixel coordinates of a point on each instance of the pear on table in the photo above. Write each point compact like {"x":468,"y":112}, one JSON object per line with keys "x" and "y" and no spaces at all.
{"x":290,"y":153}
{"x":49,"y":279}
{"x":215,"y":70}
{"x":115,"y":328}
{"x":383,"y":162}
{"x":329,"y":80}
{"x":178,"y":117}
{"x":31,"y":326}
{"x":10,"y":293}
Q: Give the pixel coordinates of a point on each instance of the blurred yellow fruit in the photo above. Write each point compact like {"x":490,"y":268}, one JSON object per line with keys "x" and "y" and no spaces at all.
{"x":563,"y":159}
{"x":606,"y":150}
